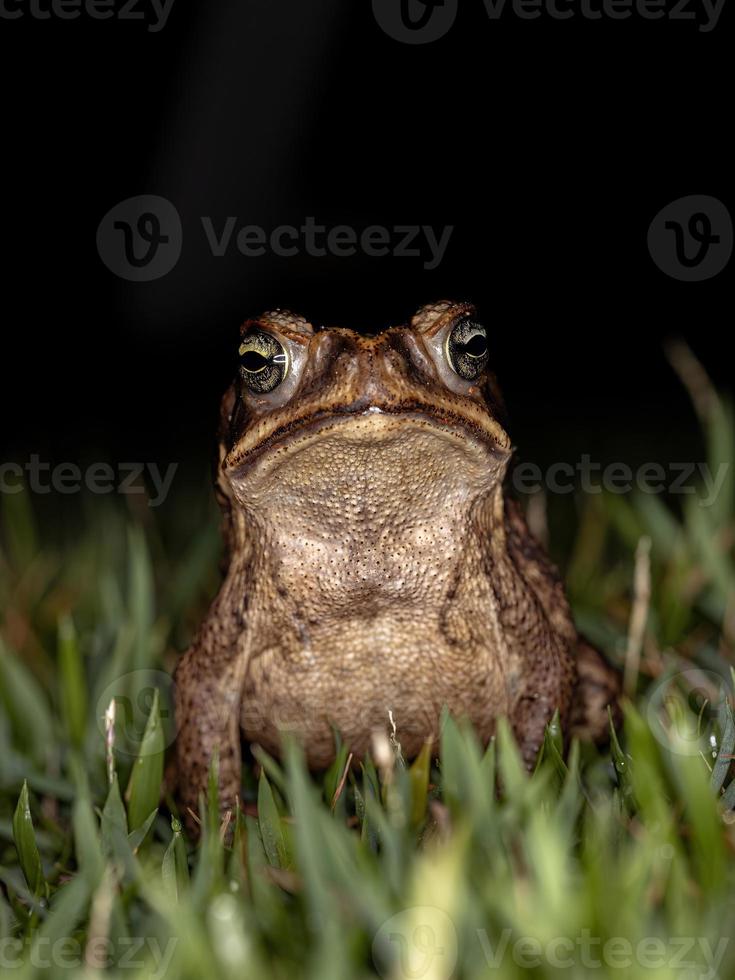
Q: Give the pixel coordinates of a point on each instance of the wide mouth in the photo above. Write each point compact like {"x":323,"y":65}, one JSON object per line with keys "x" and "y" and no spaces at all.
{"x":483,"y":436}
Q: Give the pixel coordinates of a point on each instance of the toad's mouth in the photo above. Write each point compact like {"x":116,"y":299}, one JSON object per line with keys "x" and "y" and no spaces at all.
{"x":482,"y":436}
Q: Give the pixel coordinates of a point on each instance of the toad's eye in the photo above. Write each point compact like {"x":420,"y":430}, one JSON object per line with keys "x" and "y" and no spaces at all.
{"x":263,"y":362}
{"x":467,"y":348}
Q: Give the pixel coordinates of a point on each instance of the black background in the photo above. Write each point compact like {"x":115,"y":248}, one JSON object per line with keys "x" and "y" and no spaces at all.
{"x":548,"y":145}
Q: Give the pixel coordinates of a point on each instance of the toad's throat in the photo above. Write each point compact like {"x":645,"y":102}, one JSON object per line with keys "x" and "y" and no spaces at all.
{"x":357,"y":551}
{"x":366,"y":488}
{"x":367,"y":514}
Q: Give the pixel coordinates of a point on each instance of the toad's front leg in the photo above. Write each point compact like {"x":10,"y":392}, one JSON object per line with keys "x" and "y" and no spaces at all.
{"x":208,"y":724}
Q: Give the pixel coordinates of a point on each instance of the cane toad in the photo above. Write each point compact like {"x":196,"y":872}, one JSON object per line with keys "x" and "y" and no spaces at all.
{"x":377,"y":567}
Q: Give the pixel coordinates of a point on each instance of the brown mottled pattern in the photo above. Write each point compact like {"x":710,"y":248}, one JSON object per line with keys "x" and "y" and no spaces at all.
{"x":375,"y":564}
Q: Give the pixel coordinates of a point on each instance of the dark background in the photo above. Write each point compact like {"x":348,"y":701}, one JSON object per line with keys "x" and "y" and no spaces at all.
{"x":548,"y":145}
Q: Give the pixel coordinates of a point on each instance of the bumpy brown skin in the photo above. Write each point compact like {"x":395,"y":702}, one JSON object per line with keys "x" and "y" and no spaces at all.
{"x":377,"y":568}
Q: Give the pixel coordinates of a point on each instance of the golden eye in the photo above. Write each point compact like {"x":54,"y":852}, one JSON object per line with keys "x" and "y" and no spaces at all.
{"x":467,"y":350}
{"x":263,"y":362}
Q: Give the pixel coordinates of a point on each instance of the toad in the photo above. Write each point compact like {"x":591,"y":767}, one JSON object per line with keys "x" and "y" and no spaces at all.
{"x":377,"y":567}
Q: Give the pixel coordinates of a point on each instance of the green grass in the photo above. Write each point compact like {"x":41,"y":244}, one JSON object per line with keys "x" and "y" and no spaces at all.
{"x":466,"y":867}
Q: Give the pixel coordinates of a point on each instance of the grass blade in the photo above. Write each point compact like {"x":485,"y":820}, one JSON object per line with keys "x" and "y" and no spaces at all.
{"x":73,"y":682}
{"x":144,"y":788}
{"x":269,"y":821}
{"x":25,"y":843}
